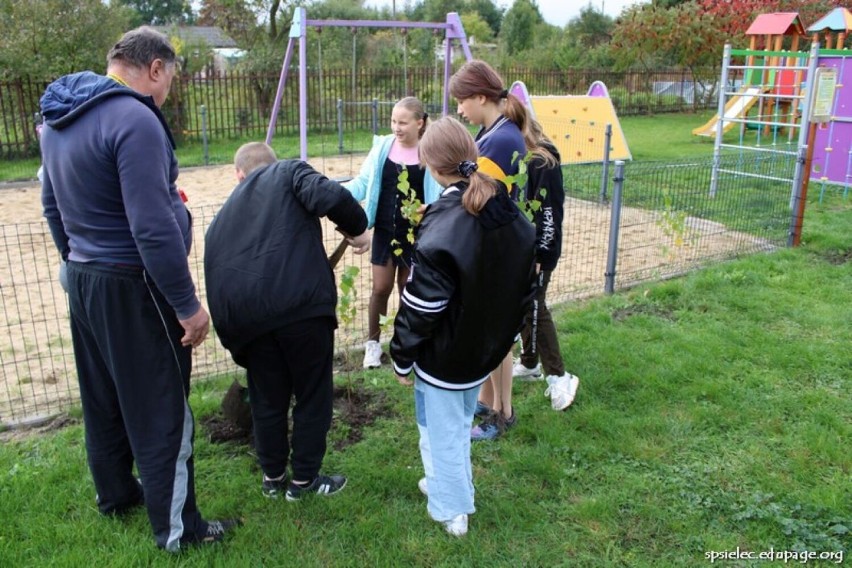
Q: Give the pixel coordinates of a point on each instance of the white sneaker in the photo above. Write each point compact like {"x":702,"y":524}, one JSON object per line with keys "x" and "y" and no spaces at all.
{"x":372,"y":355}
{"x":421,"y":485}
{"x":562,"y":390}
{"x":524,"y":373}
{"x":457,"y":526}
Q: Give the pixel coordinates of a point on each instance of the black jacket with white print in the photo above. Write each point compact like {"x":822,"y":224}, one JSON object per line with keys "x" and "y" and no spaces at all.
{"x":472,"y":280}
{"x":545,"y":184}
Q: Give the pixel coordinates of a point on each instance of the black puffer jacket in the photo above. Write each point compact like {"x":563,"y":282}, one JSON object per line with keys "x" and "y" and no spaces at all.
{"x":264,"y":260}
{"x":472,"y":281}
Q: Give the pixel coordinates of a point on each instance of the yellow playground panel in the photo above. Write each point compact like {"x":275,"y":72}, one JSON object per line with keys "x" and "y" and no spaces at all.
{"x":577,"y":124}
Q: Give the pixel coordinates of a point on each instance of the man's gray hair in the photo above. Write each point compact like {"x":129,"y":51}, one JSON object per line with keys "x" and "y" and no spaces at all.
{"x":141,"y":46}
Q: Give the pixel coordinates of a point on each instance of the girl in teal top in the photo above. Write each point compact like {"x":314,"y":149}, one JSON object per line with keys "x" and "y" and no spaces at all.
{"x":376,"y":186}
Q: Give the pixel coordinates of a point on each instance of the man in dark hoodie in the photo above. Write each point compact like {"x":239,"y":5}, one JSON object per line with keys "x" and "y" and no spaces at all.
{"x":115,"y":214}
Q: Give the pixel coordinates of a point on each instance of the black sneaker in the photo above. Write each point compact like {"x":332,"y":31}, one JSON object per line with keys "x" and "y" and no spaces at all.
{"x":321,"y":485}
{"x":273,"y":488}
{"x":216,"y":530}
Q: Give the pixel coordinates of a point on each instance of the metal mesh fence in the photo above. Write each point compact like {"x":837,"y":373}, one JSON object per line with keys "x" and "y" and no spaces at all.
{"x":670,"y":223}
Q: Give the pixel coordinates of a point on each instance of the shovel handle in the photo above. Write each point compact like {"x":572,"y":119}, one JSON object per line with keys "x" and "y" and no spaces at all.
{"x":335,"y":256}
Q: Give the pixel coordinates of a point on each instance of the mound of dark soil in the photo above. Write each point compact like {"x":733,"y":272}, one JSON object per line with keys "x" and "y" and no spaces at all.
{"x":355,"y":408}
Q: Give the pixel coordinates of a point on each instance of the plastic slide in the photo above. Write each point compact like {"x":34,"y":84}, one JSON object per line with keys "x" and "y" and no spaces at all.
{"x":737,"y":107}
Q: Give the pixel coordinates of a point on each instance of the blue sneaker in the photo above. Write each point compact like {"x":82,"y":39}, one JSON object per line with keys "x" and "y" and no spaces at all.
{"x":492,"y":427}
{"x":481,"y":410}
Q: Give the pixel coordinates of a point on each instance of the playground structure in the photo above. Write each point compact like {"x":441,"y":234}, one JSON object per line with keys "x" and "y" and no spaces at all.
{"x":585,"y":129}
{"x":832,"y":159}
{"x":298,"y":33}
{"x":771,"y":79}
{"x":782,"y":84}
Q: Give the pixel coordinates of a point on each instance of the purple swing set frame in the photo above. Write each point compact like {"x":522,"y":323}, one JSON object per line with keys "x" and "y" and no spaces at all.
{"x":299,"y":30}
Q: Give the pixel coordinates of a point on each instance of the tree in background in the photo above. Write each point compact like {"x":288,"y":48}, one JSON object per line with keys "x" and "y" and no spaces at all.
{"x":476,"y":28}
{"x":160,"y":12}
{"x":733,"y":17}
{"x":49,"y":38}
{"x":437,"y":10}
{"x":260,"y":28}
{"x":693,"y":34}
{"x":668,"y":3}
{"x":585,"y":43}
{"x":340,"y":45}
{"x":591,"y":28}
{"x":488,"y":11}
{"x":520,"y":28}
{"x":434,"y":10}
{"x":649,"y":37}
{"x":251,"y":23}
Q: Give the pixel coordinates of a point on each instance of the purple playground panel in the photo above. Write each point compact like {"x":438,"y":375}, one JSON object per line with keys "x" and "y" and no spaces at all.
{"x":519,"y":89}
{"x":598,"y":89}
{"x":832,"y":160}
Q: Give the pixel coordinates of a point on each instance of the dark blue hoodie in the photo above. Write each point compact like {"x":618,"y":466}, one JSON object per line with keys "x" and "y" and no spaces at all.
{"x":109,"y":191}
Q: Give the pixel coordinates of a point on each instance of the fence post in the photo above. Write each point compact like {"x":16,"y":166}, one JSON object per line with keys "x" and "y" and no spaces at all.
{"x":720,"y":112}
{"x":794,"y":232}
{"x":375,"y":108}
{"x":614,"y":228}
{"x":340,"y":126}
{"x":204,"y":135}
{"x":605,"y":173}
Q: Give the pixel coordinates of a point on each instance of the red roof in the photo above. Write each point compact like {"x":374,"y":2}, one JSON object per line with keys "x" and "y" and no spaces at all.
{"x":779,"y":23}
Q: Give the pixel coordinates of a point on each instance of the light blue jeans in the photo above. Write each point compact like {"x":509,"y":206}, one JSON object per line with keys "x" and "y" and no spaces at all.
{"x":444,"y":418}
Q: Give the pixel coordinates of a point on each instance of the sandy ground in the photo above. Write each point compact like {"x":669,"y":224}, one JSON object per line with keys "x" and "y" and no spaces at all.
{"x":35,"y":352}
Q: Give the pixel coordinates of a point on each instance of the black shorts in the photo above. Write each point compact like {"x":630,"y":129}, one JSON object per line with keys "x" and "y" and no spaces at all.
{"x":384,"y":247}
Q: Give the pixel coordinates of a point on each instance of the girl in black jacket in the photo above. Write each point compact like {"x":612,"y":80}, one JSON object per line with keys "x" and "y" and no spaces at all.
{"x":472,"y":281}
{"x":539,"y":339}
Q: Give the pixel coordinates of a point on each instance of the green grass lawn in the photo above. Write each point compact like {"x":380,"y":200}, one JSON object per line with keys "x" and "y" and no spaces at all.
{"x":714,"y":413}
{"x":664,"y":137}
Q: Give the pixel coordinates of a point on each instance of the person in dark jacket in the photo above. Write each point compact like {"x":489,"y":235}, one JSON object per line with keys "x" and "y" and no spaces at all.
{"x":502,"y":145}
{"x":474,"y":252}
{"x":114,"y":212}
{"x":272,"y":298}
{"x":539,"y":339}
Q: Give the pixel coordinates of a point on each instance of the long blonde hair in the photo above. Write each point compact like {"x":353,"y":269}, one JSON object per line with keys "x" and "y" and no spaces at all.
{"x":447,"y":145}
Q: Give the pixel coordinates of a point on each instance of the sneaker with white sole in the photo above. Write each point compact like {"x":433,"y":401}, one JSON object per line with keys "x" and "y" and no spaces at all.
{"x":321,"y":485}
{"x":457,"y":526}
{"x":561,"y":390}
{"x":524,"y":373}
{"x":274,"y":487}
{"x":372,"y":355}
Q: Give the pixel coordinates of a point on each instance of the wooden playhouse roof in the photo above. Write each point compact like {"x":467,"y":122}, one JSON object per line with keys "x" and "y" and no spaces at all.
{"x":838,"y":20}
{"x":778,"y":23}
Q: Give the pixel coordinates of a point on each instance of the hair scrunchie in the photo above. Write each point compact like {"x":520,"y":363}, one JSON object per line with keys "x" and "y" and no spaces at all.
{"x":467,"y":168}
{"x":504,"y":94}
